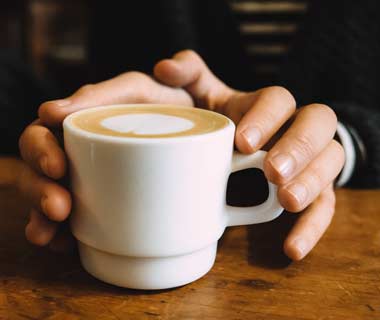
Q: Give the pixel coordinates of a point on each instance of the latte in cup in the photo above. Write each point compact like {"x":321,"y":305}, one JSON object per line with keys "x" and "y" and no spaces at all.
{"x":149,"y":191}
{"x":150,"y":121}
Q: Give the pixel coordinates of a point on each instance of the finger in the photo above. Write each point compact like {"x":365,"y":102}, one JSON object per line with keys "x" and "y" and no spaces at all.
{"x":187,"y":70}
{"x":47,"y":196}
{"x":262,"y":115}
{"x":130,"y":87}
{"x":40,"y":230}
{"x":311,"y":225}
{"x":312,"y":130}
{"x":300,"y":192}
{"x":41,"y":150}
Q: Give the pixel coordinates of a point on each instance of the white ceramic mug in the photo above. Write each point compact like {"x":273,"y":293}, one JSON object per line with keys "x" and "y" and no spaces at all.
{"x":148,"y":212}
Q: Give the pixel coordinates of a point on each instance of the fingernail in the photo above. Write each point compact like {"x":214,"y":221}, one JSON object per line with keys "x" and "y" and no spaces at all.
{"x":284,"y":164}
{"x":298,"y":191}
{"x":300,"y":246}
{"x":44,"y":165}
{"x":252,"y":135}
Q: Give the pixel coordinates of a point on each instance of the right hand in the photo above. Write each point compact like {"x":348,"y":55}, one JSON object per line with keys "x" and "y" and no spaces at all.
{"x":40,"y":148}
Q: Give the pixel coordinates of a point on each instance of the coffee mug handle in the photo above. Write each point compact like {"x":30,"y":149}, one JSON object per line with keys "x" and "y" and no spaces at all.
{"x":264,"y":212}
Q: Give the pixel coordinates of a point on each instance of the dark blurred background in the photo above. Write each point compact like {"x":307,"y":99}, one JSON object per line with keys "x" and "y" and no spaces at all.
{"x":69,"y":41}
{"x":51,"y":35}
{"x":323,"y":51}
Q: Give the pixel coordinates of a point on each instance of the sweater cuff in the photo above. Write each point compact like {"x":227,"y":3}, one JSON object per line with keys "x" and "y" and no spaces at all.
{"x":350,"y":154}
{"x":355,"y":153}
{"x":363,"y":126}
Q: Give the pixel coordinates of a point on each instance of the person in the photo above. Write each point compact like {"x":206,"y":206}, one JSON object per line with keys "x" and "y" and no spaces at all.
{"x":303,"y":158}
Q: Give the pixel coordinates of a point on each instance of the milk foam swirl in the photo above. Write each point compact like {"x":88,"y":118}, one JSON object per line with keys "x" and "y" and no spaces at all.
{"x":148,"y":121}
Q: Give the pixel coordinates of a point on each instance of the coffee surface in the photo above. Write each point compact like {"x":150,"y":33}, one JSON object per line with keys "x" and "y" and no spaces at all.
{"x":149,"y":121}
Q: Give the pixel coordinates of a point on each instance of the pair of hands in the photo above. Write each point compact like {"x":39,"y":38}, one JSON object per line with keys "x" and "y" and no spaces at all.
{"x":303,"y":160}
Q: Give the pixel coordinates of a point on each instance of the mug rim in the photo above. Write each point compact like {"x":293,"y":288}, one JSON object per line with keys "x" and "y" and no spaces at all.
{"x":68,"y":126}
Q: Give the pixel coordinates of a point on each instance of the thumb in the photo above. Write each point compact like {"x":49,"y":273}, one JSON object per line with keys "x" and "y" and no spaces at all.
{"x":187,"y":70}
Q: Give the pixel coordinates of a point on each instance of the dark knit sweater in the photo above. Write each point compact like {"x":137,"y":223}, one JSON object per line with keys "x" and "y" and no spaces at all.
{"x":334,"y":59}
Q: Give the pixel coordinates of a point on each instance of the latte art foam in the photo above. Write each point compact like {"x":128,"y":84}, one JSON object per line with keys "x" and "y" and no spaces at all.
{"x":147,"y":124}
{"x":148,"y":121}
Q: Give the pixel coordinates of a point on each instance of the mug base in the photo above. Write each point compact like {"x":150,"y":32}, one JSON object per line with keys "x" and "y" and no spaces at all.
{"x":148,"y":273}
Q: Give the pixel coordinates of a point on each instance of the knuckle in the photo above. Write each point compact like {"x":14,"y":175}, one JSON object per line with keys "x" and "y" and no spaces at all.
{"x":324,"y":110}
{"x":303,"y":146}
{"x":45,"y":106}
{"x":268,"y":121}
{"x":138,"y":78}
{"x":189,"y":54}
{"x":283,"y":94}
{"x":30,"y":142}
{"x":143,"y":86}
{"x":87,"y":90}
{"x":193,"y":58}
{"x":137,"y":75}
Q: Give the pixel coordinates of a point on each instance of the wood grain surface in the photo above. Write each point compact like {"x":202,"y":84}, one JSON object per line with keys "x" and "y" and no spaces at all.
{"x":251,"y":278}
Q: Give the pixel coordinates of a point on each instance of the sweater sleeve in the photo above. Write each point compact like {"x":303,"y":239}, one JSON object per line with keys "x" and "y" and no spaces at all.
{"x":347,"y":141}
{"x":364,"y":123}
{"x":334,"y":59}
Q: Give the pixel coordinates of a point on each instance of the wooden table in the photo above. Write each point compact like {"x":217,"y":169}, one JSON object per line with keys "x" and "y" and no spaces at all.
{"x":251,"y":278}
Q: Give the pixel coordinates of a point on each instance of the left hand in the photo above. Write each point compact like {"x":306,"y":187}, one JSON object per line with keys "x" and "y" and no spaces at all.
{"x":41,"y":176}
{"x":303,"y":161}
